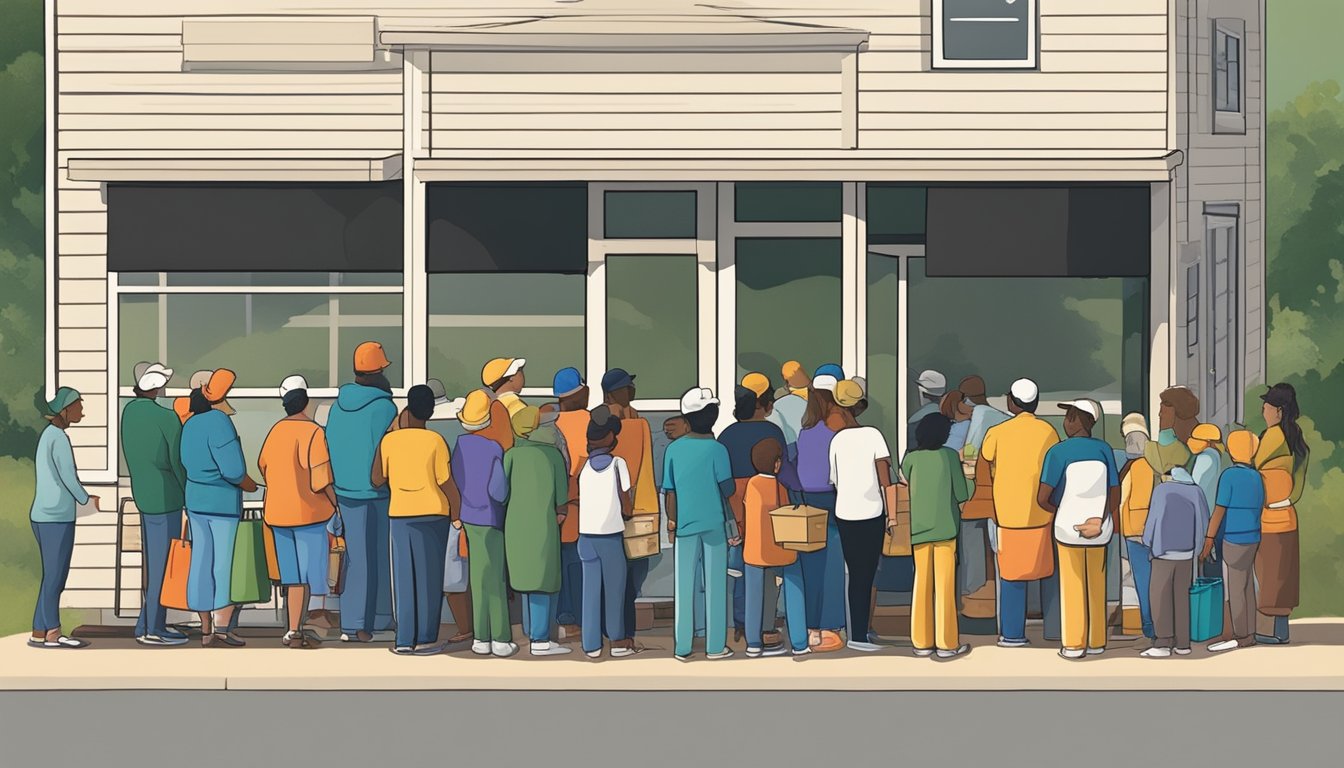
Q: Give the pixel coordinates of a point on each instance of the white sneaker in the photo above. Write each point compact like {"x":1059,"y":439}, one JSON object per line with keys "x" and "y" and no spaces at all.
{"x":1007,"y":643}
{"x":726,"y":653}
{"x":598,"y":654}
{"x":959,"y":650}
{"x":775,"y":650}
{"x":480,"y":647}
{"x":859,"y":645}
{"x":549,"y":649}
{"x":1182,"y":651}
{"x":165,"y":641}
{"x":923,"y":653}
{"x":803,"y":652}
{"x":1096,"y":651}
{"x":503,"y":650}
{"x":1072,"y":653}
{"x":753,"y":652}
{"x":619,"y":652}
{"x":1223,"y":645}
{"x":1156,"y":653}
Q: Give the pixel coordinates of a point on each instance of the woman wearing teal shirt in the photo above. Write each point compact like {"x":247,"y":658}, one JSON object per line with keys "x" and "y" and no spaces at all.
{"x":57,"y":493}
{"x":216,"y":478}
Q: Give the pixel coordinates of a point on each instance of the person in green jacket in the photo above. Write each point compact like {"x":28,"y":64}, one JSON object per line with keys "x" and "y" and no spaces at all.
{"x":151,"y":441}
{"x":937,"y":490}
{"x":538,"y":495}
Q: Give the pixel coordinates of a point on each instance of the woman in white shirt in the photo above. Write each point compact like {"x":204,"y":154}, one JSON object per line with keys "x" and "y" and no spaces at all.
{"x":605,"y":503}
{"x":861,"y":471}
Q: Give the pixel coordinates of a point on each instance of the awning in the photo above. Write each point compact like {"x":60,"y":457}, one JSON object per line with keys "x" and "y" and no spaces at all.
{"x":198,"y":169}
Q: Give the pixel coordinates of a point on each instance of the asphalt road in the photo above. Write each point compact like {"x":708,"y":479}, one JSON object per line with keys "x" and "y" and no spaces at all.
{"x":650,"y":730}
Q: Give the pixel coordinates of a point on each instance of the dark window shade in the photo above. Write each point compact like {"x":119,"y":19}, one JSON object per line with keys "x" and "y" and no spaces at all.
{"x":534,"y":227}
{"x":1003,"y":231}
{"x":246,"y":227}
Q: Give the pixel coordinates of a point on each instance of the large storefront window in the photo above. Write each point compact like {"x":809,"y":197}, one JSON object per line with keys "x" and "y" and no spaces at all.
{"x":652,"y":313}
{"x":788,"y":303}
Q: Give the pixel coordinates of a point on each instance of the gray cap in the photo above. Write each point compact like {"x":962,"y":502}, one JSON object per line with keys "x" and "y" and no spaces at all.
{"x":862,"y":382}
{"x":932,"y":382}
{"x":440,"y":391}
{"x":138,"y":372}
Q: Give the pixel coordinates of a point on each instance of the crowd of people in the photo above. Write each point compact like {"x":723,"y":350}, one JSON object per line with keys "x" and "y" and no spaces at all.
{"x":539,"y":502}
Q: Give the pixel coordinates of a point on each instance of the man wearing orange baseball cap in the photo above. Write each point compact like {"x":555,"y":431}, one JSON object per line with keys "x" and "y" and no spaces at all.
{"x":363,"y":413}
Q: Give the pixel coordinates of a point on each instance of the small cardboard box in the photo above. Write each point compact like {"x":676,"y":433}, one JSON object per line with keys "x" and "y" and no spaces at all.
{"x":799,"y":528}
{"x":896,"y":541}
{"x":664,"y":609}
{"x":641,"y":525}
{"x":643,"y":617}
{"x":639,"y":547}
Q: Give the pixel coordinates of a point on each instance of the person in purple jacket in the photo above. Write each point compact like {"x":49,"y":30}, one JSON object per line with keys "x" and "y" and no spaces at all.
{"x":823,"y":570}
{"x":1178,"y":519}
{"x":478,"y":465}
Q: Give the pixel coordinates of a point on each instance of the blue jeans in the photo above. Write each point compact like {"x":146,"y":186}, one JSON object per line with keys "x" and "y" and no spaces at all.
{"x":736,"y":563}
{"x":824,"y":572}
{"x":705,"y":553}
{"x":211,"y":571}
{"x":604,"y":574}
{"x":419,"y":548}
{"x":1141,"y":565}
{"x":571,"y":584}
{"x":366,"y":604}
{"x":539,"y":610}
{"x":636,"y":572}
{"x":56,"y":544}
{"x":758,"y":610}
{"x":1013,"y":609}
{"x":156,"y":534}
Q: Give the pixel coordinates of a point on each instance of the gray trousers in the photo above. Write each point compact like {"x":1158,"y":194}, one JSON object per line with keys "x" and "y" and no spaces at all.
{"x":1240,"y":562}
{"x":1170,"y":597}
{"x":971,"y":549}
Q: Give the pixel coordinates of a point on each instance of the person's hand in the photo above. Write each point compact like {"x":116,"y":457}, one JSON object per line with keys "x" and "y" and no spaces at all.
{"x":457,"y":524}
{"x":248,"y":485}
{"x":1090,"y":529}
{"x":671,"y":526}
{"x":1206,"y":551}
{"x":94,"y":501}
{"x":735,"y":542}
{"x":560,"y":519}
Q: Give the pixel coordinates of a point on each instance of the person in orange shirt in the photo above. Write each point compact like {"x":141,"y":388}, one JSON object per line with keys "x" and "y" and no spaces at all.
{"x":572,"y":395}
{"x":300,"y":499}
{"x":1137,"y":480}
{"x":1281,"y":458}
{"x":764,"y":559}
{"x":635,"y":447}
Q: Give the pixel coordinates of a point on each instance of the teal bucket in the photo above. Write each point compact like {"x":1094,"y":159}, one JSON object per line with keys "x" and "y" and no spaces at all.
{"x":1206,"y":609}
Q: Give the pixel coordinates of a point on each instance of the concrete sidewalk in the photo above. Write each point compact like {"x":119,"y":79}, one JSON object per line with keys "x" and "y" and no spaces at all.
{"x":1314,"y":662}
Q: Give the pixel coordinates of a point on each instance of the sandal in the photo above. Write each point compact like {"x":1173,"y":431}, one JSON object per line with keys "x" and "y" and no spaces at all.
{"x":60,"y":642}
{"x":226,"y":638}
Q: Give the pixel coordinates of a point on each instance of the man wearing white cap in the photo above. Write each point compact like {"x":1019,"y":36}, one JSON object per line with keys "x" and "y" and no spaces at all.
{"x":932,"y":385}
{"x":151,"y":438}
{"x":1013,"y":454}
{"x":697,"y":481}
{"x":1081,"y":486}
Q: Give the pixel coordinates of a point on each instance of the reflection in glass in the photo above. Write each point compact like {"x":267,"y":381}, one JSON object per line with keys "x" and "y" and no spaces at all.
{"x":651,"y":322}
{"x":788,"y":303}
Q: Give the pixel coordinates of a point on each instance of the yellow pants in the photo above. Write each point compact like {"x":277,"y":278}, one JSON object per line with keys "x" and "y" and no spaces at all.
{"x":934,"y":612}
{"x":1082,"y":596}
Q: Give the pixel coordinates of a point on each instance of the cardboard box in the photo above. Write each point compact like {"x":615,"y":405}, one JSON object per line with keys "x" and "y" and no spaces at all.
{"x":664,"y":609}
{"x":638,"y":547}
{"x":643,"y":617}
{"x":896,"y":541}
{"x":891,"y":620}
{"x":800,"y":528}
{"x":641,"y":525}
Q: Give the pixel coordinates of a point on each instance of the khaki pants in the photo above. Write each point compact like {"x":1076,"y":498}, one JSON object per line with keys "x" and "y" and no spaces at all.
{"x":933,"y":614}
{"x":1082,"y":596}
{"x":1169,"y":594}
{"x":1240,"y":562}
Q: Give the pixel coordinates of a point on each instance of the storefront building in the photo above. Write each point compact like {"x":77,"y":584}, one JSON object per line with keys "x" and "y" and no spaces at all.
{"x":1062,"y":189}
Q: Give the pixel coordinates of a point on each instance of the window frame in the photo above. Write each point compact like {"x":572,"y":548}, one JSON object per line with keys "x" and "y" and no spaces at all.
{"x":1031,"y":62}
{"x":1228,"y":121}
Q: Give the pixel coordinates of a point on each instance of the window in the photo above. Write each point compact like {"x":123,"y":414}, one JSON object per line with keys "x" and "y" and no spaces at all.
{"x":649,"y":214}
{"x":896,"y":213}
{"x":1229,"y":114}
{"x":984,"y":34}
{"x":652,"y":311}
{"x":788,"y":303}
{"x":1191,"y":310}
{"x":768,"y":201}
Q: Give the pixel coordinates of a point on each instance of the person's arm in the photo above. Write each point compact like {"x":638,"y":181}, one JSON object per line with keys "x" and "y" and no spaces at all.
{"x":670,"y":505}
{"x":63,"y":458}
{"x":883,"y":467}
{"x":1215,"y":523}
{"x":227,"y":451}
{"x":560,"y":481}
{"x":378,"y":475}
{"x":318,"y":463}
{"x":1051,"y":474}
{"x":960,"y":491}
{"x":624,"y":490}
{"x":1044,"y":494}
{"x":172,"y":435}
{"x":447,"y":483}
{"x":499,"y":483}
{"x":645,"y":492}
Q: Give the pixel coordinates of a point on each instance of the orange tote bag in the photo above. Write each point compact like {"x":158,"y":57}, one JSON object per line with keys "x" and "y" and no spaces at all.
{"x":174,"y":592}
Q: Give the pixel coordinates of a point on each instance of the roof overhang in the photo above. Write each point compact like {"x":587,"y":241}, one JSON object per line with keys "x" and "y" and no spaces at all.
{"x":385,"y":168}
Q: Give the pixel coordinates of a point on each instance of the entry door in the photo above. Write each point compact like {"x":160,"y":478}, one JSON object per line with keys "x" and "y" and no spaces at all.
{"x":1221,"y":259}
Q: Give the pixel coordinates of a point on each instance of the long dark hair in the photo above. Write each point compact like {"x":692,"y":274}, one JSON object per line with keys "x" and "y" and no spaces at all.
{"x":820,"y":403}
{"x":199,"y":402}
{"x":1284,"y":397}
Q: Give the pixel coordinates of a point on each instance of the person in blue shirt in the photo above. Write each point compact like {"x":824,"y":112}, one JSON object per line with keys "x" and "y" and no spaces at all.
{"x":1236,"y":520}
{"x":697,"y":481}
{"x":212,"y":456}
{"x":57,"y":493}
{"x":363,"y":413}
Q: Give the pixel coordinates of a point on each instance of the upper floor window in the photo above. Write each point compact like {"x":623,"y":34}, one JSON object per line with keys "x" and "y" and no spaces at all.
{"x":1229,"y":108}
{"x":984,"y":34}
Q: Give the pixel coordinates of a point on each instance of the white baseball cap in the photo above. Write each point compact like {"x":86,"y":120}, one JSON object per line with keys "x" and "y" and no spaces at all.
{"x":825,"y":382}
{"x":1088,"y":406}
{"x":1025,"y":390}
{"x":932,"y":382}
{"x":153,"y":377}
{"x":292,"y":383}
{"x":697,"y":399}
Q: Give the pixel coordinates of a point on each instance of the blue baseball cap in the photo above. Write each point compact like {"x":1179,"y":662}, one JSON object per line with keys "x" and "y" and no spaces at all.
{"x":830,"y":369}
{"x":567,"y":382}
{"x":616,"y":378}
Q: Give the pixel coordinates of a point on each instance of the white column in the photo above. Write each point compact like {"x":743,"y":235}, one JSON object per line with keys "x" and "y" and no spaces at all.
{"x":595,"y":324}
{"x":415,"y":295}
{"x":902,"y":355}
{"x":1162,"y":295}
{"x":718,"y":245}
{"x":850,"y":286}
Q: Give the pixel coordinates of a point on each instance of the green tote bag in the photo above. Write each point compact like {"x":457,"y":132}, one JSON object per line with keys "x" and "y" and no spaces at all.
{"x":250,"y":582}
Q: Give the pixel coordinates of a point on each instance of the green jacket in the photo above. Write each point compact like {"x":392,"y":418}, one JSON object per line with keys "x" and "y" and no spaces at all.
{"x":538,"y":484}
{"x":151,"y":439}
{"x":937,"y":490}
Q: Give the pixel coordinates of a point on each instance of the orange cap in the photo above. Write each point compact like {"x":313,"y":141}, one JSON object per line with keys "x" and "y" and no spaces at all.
{"x":221,"y":381}
{"x":370,"y":358}
{"x":756,"y":382}
{"x":1241,"y":445}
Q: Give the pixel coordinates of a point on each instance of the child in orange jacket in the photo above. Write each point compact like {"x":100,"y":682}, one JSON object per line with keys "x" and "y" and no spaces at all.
{"x":765,"y":559}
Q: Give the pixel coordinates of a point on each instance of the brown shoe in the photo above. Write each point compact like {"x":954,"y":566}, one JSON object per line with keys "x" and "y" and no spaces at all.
{"x":771,"y":637}
{"x":830,"y":641}
{"x":570,"y":632}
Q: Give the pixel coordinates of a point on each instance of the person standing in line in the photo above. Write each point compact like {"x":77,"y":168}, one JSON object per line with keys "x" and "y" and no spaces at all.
{"x":606,"y":502}
{"x":974,"y":570}
{"x":504,"y":380}
{"x":958,"y":410}
{"x":571,"y":420}
{"x":1138,"y":479}
{"x":765,"y":559}
{"x":1209,"y":462}
{"x":212,"y":456}
{"x":1236,"y":521}
{"x":456,"y":589}
{"x":1013,"y":454}
{"x":296,"y":467}
{"x":697,"y":481}
{"x":363,"y":413}
{"x":823,"y":570}
{"x":860,"y":470}
{"x":790,"y":403}
{"x":937,"y":488}
{"x":52,"y":515}
{"x":414,"y":462}
{"x":1177,"y":523}
{"x":479,"y":462}
{"x":1177,"y":417}
{"x":151,"y":442}
{"x":1081,"y":487}
{"x":635,"y":448}
{"x":931,"y":385}
{"x":182,"y":405}
{"x":538,"y":504}
{"x":983,"y":415}
{"x":1282,"y":461}
{"x":675,"y":427}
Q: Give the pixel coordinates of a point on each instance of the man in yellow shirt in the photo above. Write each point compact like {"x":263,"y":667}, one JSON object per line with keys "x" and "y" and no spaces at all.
{"x":1013,"y":453}
{"x":414,"y":463}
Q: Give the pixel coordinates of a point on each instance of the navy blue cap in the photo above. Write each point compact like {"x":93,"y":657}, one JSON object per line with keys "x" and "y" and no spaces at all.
{"x":567,"y":382}
{"x":615,"y":379}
